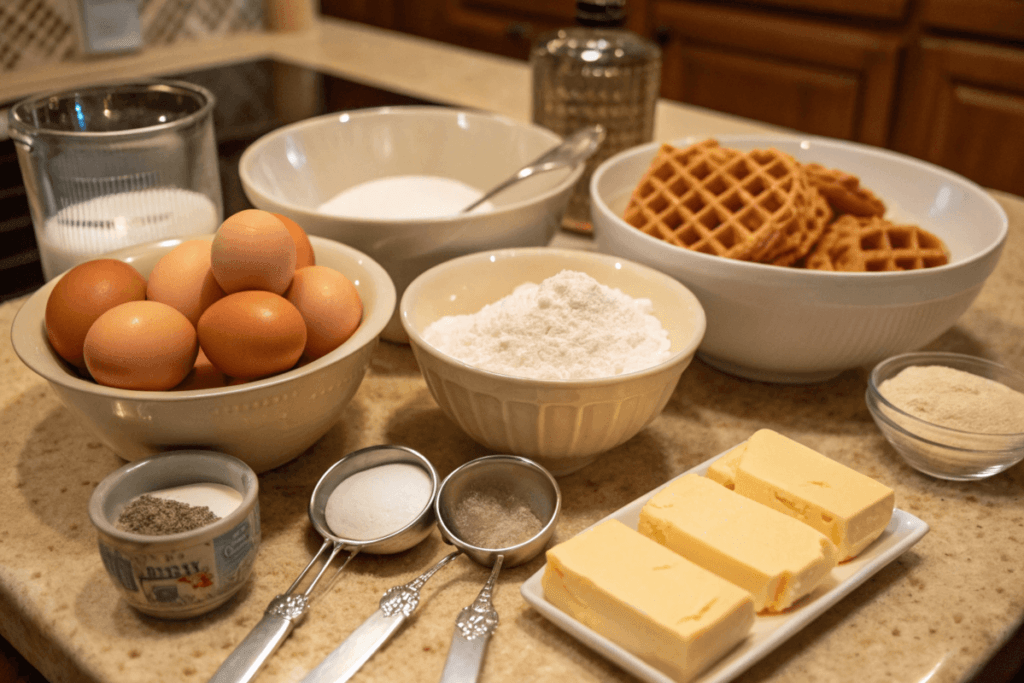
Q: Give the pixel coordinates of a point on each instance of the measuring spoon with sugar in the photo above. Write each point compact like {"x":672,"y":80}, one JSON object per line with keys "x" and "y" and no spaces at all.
{"x":342,"y":492}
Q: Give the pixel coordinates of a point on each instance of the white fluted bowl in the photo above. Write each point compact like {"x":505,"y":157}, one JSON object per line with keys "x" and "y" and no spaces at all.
{"x":562,"y":424}
{"x":780,"y":324}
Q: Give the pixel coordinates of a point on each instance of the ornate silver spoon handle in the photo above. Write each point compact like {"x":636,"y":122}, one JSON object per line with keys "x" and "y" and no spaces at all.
{"x":282,"y":615}
{"x":396,"y":604}
{"x":473,"y":629}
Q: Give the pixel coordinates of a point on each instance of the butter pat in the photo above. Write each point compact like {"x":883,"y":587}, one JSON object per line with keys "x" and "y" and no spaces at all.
{"x":723,"y":470}
{"x":663,"y":608}
{"x":851,"y":509}
{"x":775,"y":557}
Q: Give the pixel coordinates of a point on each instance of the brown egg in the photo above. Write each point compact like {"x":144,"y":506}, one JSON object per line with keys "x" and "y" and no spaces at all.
{"x":330,"y":305}
{"x":252,"y":334}
{"x":144,"y":345}
{"x":183,"y":279}
{"x":203,"y":375}
{"x":81,"y":296}
{"x":253,"y":250}
{"x":304,"y":255}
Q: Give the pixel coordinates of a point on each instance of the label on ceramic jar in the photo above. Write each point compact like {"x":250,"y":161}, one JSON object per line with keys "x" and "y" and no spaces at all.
{"x":186,"y":577}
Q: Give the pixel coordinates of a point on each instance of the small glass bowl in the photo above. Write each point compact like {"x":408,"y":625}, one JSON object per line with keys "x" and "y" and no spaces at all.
{"x":939,"y":451}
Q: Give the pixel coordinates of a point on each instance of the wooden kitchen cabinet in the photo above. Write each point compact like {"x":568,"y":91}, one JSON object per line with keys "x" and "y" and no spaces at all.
{"x":1000,"y":19}
{"x":800,"y":73}
{"x":942,"y":80}
{"x":381,"y":13}
{"x":964,"y":110}
{"x":505,"y":27}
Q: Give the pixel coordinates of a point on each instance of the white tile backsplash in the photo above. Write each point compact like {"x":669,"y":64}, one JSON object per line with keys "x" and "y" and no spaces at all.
{"x":37,"y":32}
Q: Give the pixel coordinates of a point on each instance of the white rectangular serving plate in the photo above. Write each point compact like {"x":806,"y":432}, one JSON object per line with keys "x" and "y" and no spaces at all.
{"x":769,"y":631}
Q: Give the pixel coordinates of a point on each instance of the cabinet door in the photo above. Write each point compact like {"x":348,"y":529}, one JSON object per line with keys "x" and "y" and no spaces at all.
{"x":813,"y":76}
{"x":879,"y":9}
{"x":505,"y":27}
{"x":381,"y":13}
{"x":990,"y":18}
{"x":964,"y":110}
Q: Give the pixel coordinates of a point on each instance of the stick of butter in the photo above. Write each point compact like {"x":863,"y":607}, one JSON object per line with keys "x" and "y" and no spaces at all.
{"x":658,"y":605}
{"x":850,"y":508}
{"x":775,"y":557}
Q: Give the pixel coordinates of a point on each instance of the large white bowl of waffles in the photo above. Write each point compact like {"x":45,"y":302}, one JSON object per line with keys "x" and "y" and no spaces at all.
{"x":809,"y":255}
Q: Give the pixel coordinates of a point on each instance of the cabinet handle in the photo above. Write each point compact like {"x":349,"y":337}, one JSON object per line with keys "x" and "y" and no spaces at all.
{"x":662,"y":34}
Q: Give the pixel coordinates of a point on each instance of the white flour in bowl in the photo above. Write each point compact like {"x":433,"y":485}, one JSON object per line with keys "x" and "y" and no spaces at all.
{"x":569,"y":326}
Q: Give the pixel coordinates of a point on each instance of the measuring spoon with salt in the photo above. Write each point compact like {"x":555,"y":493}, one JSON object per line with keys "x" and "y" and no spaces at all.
{"x":498,"y":510}
{"x":342,"y":510}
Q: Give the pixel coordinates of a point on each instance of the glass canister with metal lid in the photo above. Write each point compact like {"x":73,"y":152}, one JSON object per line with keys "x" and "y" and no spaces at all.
{"x":596,"y":72}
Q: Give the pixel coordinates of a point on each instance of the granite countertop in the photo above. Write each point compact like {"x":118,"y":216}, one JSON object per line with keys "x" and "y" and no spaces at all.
{"x":937,"y":613}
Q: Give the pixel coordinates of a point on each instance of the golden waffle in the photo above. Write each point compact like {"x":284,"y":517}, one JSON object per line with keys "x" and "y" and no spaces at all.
{"x":751,"y":206}
{"x":844,"y":192}
{"x":817,"y":220}
{"x":873,"y":244}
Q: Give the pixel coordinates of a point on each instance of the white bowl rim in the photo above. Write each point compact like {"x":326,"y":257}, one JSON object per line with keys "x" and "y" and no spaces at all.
{"x":803,"y":275}
{"x":679,"y":356}
{"x":952,"y":360}
{"x":369,"y":328}
{"x":430,"y":110}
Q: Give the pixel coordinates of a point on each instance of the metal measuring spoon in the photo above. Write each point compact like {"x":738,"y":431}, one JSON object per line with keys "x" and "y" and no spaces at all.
{"x":574,"y":149}
{"x":288,"y":609}
{"x":541,"y":492}
{"x":524,"y":480}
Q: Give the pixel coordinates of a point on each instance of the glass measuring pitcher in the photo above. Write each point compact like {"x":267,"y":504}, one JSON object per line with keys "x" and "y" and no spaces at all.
{"x":109,"y":166}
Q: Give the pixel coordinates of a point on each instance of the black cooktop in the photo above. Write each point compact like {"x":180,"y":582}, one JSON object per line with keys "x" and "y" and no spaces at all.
{"x":253,"y":98}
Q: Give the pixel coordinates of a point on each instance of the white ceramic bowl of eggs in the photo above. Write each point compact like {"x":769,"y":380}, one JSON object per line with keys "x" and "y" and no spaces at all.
{"x":267,"y":398}
{"x":562,"y":423}
{"x":781,"y":324}
{"x":436,"y":159}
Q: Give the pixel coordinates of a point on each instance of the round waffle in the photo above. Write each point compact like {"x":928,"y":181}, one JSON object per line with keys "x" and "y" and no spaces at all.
{"x":754,"y":206}
{"x":874,"y":244}
{"x":844,"y":192}
{"x":817,"y":221}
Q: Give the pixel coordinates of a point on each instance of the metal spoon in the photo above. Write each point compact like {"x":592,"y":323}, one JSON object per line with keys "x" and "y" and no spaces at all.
{"x":523,"y":480}
{"x":288,"y":609}
{"x":528,"y":481}
{"x":574,"y":149}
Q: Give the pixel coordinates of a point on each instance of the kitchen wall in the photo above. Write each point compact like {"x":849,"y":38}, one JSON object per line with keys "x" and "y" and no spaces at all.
{"x":37,"y":32}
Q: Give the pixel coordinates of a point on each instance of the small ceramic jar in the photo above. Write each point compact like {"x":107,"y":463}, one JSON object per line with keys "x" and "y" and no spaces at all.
{"x":178,"y":575}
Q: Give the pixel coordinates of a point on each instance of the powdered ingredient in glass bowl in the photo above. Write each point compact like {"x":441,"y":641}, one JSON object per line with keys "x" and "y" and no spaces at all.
{"x":569,"y":326}
{"x":956,"y":399}
{"x":152,"y":516}
{"x":378,"y":501}
{"x":494,"y":517}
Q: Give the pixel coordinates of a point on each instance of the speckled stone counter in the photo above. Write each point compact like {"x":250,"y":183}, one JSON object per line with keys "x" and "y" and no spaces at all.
{"x":935,"y":614}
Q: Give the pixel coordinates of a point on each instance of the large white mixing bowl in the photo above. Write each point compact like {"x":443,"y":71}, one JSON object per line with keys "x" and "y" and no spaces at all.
{"x":780,"y":324}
